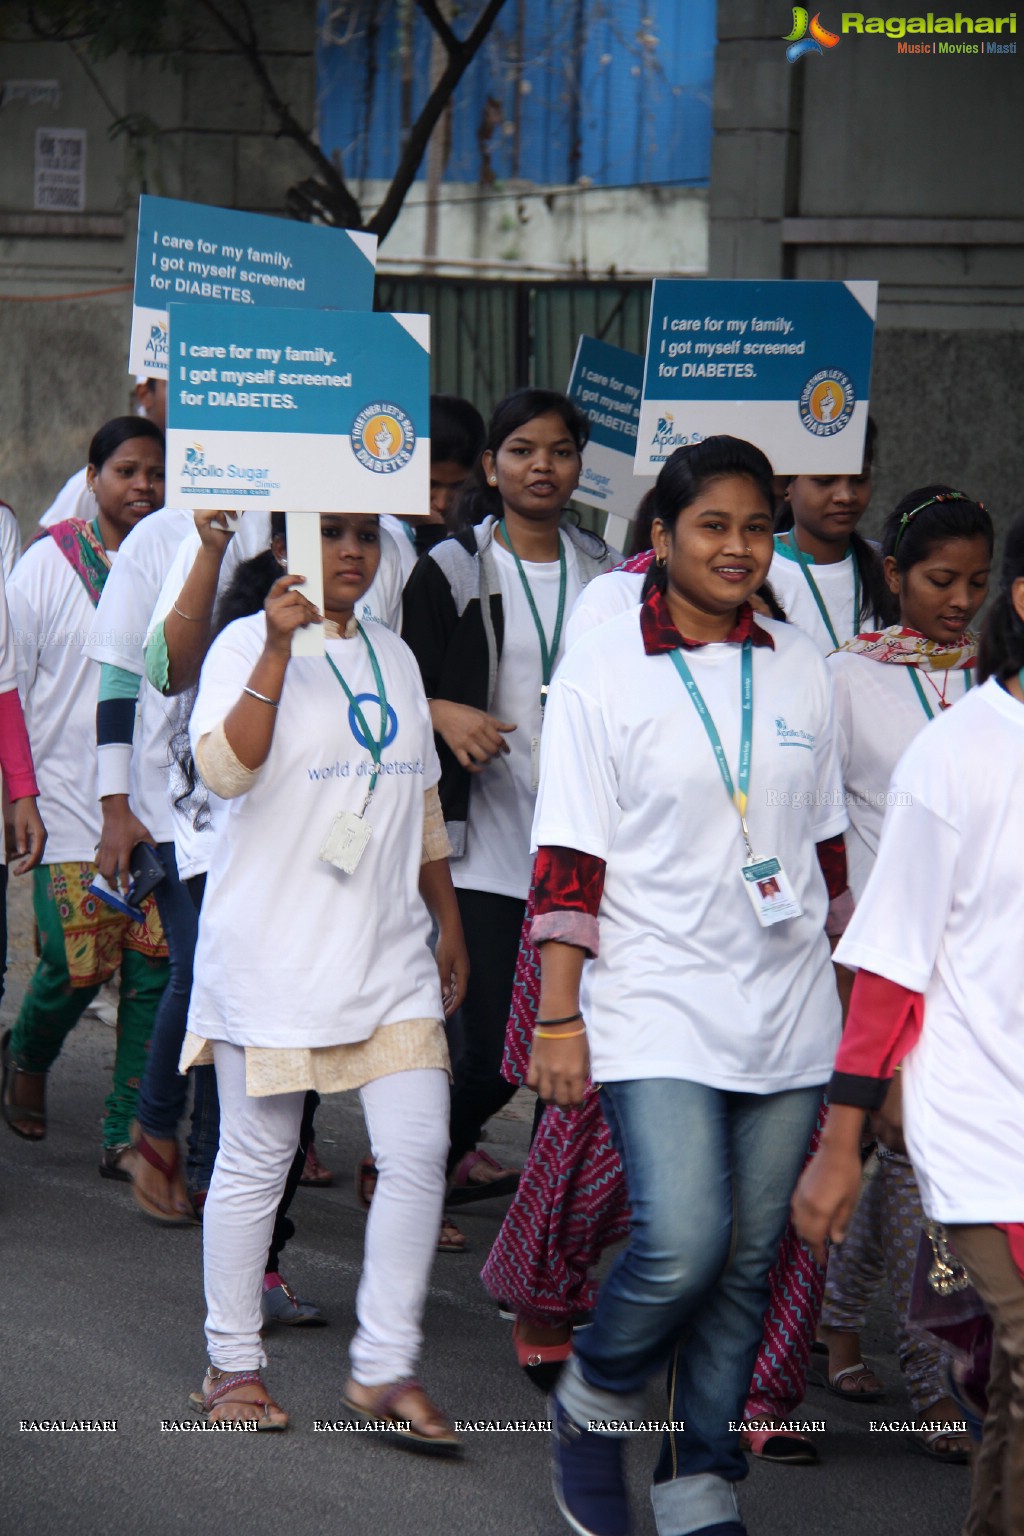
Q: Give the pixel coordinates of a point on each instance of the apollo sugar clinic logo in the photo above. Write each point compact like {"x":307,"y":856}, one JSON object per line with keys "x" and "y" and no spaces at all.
{"x":383,"y":438}
{"x":158,"y":344}
{"x":665,"y":435}
{"x":808,"y":35}
{"x":826,"y":402}
{"x":239,"y":479}
{"x":195,"y":460}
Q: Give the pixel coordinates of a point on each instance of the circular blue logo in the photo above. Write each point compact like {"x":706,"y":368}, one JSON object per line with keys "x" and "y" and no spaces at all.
{"x":372,"y":720}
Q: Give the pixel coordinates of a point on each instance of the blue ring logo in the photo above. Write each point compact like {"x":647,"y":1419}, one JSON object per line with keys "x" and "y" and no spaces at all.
{"x":362,"y":699}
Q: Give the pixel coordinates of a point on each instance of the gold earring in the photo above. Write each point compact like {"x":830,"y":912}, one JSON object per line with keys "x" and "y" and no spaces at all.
{"x":661,"y":561}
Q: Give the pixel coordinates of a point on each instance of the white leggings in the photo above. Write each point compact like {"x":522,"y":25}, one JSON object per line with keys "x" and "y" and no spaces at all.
{"x":407,"y":1121}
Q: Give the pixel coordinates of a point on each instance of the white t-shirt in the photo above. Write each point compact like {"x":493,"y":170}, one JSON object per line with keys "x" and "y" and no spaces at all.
{"x":10,"y":539}
{"x":292,"y":952}
{"x":602,"y":599}
{"x":74,"y":499}
{"x":8,"y":670}
{"x":52,"y":614}
{"x":687,"y":983}
{"x":878,"y":714}
{"x":835,"y":583}
{"x":118,"y":636}
{"x":501,"y":798}
{"x":404,"y":541}
{"x":943,"y":914}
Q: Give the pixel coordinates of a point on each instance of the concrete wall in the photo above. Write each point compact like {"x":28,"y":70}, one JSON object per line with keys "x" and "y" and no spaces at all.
{"x":207,"y":137}
{"x":868,"y":162}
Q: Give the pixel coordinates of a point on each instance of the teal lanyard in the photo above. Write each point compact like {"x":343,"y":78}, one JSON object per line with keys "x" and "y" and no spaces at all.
{"x":548,"y":653}
{"x":738,"y":793}
{"x":375,"y":747}
{"x":805,"y":566}
{"x":925,"y":704}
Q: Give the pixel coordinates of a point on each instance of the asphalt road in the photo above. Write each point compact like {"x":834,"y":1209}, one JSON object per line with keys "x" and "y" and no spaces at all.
{"x":101,"y":1318}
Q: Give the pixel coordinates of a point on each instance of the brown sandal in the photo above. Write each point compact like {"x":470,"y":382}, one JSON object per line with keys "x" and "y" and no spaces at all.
{"x":171,"y":1170}
{"x":15,"y":1081}
{"x":384,"y":1415}
{"x":216,"y":1396}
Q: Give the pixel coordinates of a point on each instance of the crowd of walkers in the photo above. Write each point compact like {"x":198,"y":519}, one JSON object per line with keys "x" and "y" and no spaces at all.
{"x":713,"y":844}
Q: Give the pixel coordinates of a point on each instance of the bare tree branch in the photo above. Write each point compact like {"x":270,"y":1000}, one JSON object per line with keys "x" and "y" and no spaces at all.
{"x":419,"y":137}
{"x":336,"y":195}
{"x":447,"y":37}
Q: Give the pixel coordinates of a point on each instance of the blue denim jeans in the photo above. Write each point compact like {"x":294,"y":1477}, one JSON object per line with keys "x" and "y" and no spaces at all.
{"x":710,"y":1175}
{"x":164,"y":1090}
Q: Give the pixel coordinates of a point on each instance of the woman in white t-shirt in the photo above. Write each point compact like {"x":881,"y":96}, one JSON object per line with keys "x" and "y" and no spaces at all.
{"x":939,"y":994}
{"x":53,"y":594}
{"x":485,"y":615}
{"x":313,"y":970}
{"x":826,"y":576}
{"x":688,"y":775}
{"x":937,"y":549}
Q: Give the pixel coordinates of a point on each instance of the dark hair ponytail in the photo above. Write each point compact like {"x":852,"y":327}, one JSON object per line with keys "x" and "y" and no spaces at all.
{"x":477,"y":499}
{"x":877,"y":604}
{"x":1001,"y":652}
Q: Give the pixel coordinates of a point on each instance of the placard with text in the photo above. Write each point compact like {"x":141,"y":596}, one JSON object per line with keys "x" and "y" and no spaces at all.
{"x":298,"y":410}
{"x":195,"y":254}
{"x":784,"y":364}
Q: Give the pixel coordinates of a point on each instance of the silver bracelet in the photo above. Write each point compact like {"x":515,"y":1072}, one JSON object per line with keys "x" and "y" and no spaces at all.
{"x":190,"y":617}
{"x":261,"y":697}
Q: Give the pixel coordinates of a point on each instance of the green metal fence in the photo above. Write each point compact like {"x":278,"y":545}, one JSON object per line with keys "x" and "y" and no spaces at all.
{"x":489,"y":337}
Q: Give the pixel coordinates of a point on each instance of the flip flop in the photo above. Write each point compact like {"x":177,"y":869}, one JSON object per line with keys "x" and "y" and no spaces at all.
{"x":464,"y":1191}
{"x":450,"y":1240}
{"x":853,"y":1374}
{"x":170,"y":1170}
{"x":394,"y":1427}
{"x":33,"y":1114}
{"x":210,"y":1403}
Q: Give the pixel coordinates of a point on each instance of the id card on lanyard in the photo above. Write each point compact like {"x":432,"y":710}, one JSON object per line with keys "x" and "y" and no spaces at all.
{"x":548,"y":653}
{"x":350,"y":832}
{"x":764,"y":880}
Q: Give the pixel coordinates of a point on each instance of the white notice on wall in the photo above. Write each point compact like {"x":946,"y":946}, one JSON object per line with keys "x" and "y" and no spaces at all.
{"x":60,"y":170}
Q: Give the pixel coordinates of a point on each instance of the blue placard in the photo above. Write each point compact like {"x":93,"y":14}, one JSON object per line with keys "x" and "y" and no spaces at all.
{"x":784,"y":364}
{"x":191,"y":253}
{"x":606,"y":383}
{"x":300,"y":410}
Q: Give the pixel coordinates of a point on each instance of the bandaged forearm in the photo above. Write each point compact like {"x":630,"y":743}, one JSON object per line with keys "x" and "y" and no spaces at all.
{"x":221,"y":770}
{"x":435,"y":836}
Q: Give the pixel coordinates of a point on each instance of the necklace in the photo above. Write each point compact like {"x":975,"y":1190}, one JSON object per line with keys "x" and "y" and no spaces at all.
{"x":940,"y":693}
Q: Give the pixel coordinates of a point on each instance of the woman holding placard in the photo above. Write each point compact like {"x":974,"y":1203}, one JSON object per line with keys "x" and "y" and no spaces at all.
{"x":690,"y":800}
{"x":313,"y":971}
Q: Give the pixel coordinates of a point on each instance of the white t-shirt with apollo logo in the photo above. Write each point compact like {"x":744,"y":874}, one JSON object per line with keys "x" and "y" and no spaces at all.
{"x":687,"y":983}
{"x":292,"y":952}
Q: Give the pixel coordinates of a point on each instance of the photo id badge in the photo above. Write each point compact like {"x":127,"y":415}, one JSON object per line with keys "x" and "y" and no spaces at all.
{"x":770,"y":892}
{"x":535,"y":764}
{"x":346,"y":842}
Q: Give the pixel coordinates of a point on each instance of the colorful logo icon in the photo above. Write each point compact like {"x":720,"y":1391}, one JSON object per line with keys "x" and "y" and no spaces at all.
{"x":195,"y":459}
{"x":826,"y":402}
{"x":369,"y":703}
{"x":383,"y":438}
{"x":158,"y":344}
{"x":800,"y":42}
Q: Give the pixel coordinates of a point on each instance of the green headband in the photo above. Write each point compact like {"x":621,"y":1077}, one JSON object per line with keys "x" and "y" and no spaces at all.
{"x":908,"y":517}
